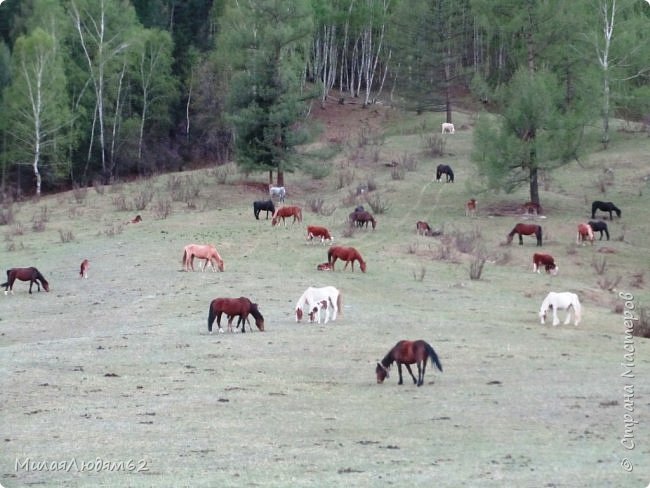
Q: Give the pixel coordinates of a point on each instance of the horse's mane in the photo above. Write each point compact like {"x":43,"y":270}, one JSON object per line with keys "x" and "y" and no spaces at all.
{"x":388,"y":358}
{"x":255,"y":312}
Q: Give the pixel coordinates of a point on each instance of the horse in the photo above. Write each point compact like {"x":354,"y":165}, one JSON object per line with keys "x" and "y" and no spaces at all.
{"x":315,"y":231}
{"x":526,"y":230}
{"x":585,"y":232}
{"x":545,"y":260}
{"x":448,"y":127}
{"x":532,"y":208}
{"x":202,"y":251}
{"x":446,"y":170}
{"x":362,"y":217}
{"x":561,"y":301}
{"x":605,"y":207}
{"x":135,"y":220}
{"x":260,"y":205}
{"x":423,"y":228}
{"x":324,"y":267}
{"x":25,"y":274}
{"x":232,"y":307}
{"x":277,"y":191}
{"x":347,"y":254}
{"x":599,"y":226}
{"x":312,"y":296}
{"x":314,"y":314}
{"x":284,"y":212}
{"x":470,"y":207}
{"x":407,"y":353}
{"x":83,"y":269}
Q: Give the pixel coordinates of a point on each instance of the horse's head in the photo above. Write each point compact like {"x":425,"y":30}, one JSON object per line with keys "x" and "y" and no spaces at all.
{"x":381,"y":372}
{"x":542,"y":315}
{"x":362,"y":265}
{"x":298,"y":314}
{"x":220,"y":264}
{"x":555,"y":269}
{"x":259,"y":319}
{"x":275,"y":220}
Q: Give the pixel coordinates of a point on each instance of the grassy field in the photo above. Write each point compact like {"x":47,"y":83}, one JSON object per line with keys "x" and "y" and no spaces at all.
{"x":120,"y":369}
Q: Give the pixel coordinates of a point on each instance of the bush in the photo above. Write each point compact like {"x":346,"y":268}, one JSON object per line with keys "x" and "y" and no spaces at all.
{"x":376,"y":204}
{"x":162,"y":209}
{"x":66,"y":235}
{"x":79,"y":193}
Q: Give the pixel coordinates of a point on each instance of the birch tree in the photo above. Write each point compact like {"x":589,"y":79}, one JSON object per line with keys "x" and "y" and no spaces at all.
{"x":37,"y":103}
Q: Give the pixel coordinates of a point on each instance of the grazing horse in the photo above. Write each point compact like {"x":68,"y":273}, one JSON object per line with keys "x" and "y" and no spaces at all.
{"x":448,"y":127}
{"x":359,"y":218}
{"x":260,"y":205}
{"x":284,"y":212}
{"x":532,"y":208}
{"x":83,"y":270}
{"x":324,"y":267}
{"x":277,"y":191}
{"x":322,"y":232}
{"x":347,"y":254}
{"x":446,"y":170}
{"x":202,"y":251}
{"x":407,"y":353}
{"x":312,"y":296}
{"x":25,"y":274}
{"x":470,"y":207}
{"x":599,"y":226}
{"x":526,"y":230}
{"x":241,"y":307}
{"x":423,"y":228}
{"x":605,"y":207}
{"x":585,"y":232}
{"x":314,"y":314}
{"x":561,"y":301}
{"x":545,"y":260}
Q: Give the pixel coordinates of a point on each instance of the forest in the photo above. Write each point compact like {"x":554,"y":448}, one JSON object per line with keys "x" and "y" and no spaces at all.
{"x":102,"y":90}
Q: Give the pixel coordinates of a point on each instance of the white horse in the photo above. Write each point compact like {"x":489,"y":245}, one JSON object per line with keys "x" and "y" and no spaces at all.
{"x":448,"y":127}
{"x":561,"y":301}
{"x":312,"y":298}
{"x":277,"y":191}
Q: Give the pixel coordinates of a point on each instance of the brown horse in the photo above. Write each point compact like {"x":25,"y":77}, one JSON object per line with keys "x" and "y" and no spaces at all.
{"x":423,"y":228}
{"x":532,"y":208}
{"x":284,"y":212}
{"x":407,"y":353}
{"x":83,"y":270}
{"x":545,"y":260}
{"x":25,"y":274}
{"x":585,"y":232}
{"x":324,"y":267}
{"x":470,"y":207}
{"x":321,"y":232}
{"x":135,"y":220}
{"x":232,"y":307}
{"x":526,"y":230}
{"x":202,"y":251}
{"x":361,"y":218}
{"x":347,"y":254}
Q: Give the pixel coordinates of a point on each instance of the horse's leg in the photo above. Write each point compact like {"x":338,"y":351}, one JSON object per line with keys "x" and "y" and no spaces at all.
{"x":521,"y":240}
{"x":399,"y":370}
{"x":556,"y":321}
{"x":421,"y":370}
{"x":219,"y":322}
{"x":567,"y":320}
{"x":408,"y":368}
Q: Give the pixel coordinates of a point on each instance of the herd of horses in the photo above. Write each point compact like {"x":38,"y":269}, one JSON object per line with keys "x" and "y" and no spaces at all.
{"x":315,"y":302}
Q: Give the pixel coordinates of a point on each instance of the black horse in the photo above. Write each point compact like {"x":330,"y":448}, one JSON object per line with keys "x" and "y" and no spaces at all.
{"x":260,"y":205}
{"x":599,"y":226}
{"x":446,"y":170}
{"x":605,"y":207}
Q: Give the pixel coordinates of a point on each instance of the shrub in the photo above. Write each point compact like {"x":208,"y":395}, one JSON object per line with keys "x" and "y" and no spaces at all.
{"x":476,"y":266}
{"x":79,"y":193}
{"x":119,"y":202}
{"x":434,"y":146}
{"x":641,"y":327}
{"x":397,"y":173}
{"x":376,"y":204}
{"x":7,"y":214}
{"x":162,"y":209}
{"x":418,"y":275}
{"x":142,"y":199}
{"x":66,"y":236}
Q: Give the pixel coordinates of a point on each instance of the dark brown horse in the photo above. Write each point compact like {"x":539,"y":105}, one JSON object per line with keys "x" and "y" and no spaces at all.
{"x":361,"y":218}
{"x":423,"y":228}
{"x":347,"y":254}
{"x":407,"y":353}
{"x":25,"y":274}
{"x":526,"y":230}
{"x":232,"y":307}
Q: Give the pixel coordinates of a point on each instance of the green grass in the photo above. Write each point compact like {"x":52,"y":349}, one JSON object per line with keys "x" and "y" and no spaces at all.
{"x":518,"y":404}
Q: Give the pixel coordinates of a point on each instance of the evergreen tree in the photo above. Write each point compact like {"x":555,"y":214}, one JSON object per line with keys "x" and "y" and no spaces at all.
{"x":263,"y":46}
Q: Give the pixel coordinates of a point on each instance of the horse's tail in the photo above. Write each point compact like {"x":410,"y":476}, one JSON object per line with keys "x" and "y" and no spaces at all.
{"x":434,"y":357}
{"x":299,"y":214}
{"x":184,"y":257}
{"x":6,"y":284}
{"x":329,"y":255}
{"x":339,"y":303}
{"x":538,"y":234}
{"x":512,"y":233}
{"x":577,"y":310}
{"x":212,"y":314}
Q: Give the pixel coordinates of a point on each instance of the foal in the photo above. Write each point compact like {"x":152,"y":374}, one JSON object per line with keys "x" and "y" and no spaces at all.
{"x":470,"y":208}
{"x":83,"y":270}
